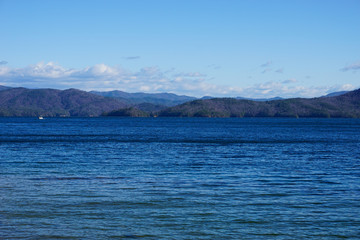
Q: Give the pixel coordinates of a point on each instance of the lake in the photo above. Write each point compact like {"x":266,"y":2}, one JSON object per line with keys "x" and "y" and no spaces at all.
{"x":179,"y":178}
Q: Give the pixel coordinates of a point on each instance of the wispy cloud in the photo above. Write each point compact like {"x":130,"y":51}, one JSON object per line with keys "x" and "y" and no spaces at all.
{"x":214,"y":66}
{"x":291,"y":80}
{"x":266,"y":70}
{"x":274,"y":89}
{"x":267,"y":64}
{"x":190,"y":74}
{"x":3,"y":62}
{"x":132,"y":58}
{"x":149,"y":79}
{"x":280,"y":70}
{"x":351,"y":67}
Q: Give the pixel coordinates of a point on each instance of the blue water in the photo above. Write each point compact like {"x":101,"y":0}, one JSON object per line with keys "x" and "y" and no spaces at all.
{"x":169,"y":178}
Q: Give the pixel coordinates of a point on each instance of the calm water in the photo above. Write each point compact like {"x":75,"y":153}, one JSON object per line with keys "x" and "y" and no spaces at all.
{"x":126,"y":178}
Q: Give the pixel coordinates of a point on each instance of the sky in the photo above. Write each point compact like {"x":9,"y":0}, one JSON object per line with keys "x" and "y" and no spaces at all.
{"x":222,"y":48}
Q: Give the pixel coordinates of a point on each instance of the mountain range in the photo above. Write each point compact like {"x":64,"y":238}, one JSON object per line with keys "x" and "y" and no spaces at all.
{"x":162,"y":99}
{"x":22,"y":102}
{"x":346,"y":105}
{"x":72,"y":102}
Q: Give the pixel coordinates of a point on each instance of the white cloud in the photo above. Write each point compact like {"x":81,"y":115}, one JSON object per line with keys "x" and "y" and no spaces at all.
{"x":274,"y":89}
{"x":42,"y":70}
{"x":4,"y":70}
{"x":102,"y":77}
{"x":339,"y":88}
{"x":190,"y":74}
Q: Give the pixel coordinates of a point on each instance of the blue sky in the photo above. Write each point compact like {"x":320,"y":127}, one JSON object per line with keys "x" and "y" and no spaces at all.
{"x":200,"y":47}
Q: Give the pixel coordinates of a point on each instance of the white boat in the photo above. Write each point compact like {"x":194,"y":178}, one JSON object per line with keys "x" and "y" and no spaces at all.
{"x":40,"y":118}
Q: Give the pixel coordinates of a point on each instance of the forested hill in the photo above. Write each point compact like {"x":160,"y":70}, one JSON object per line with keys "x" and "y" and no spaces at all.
{"x":72,"y":102}
{"x":346,"y":105}
{"x":54,"y":103}
{"x":4,"y":88}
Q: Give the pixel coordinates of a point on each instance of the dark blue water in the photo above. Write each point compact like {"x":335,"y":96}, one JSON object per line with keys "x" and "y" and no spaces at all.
{"x":126,"y":178}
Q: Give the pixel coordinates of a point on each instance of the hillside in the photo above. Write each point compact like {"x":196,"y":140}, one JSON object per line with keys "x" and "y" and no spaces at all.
{"x":53,"y":103}
{"x":4,"y":87}
{"x":346,"y":105}
{"x":334,"y":94}
{"x":73,"y":102}
{"x":127,"y":112}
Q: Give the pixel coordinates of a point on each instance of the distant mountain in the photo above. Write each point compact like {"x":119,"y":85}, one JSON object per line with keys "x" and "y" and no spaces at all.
{"x":346,"y":105}
{"x":54,"y":103}
{"x":159,"y":99}
{"x":4,"y":87}
{"x":73,"y":102}
{"x":334,"y":94}
{"x":252,"y":99}
{"x":207,"y":97}
{"x":260,"y":99}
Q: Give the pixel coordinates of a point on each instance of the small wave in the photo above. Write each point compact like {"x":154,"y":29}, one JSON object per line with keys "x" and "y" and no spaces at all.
{"x":75,"y":178}
{"x":81,"y":139}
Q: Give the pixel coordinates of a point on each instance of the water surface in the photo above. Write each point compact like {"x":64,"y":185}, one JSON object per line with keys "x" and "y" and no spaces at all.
{"x":178,"y":178}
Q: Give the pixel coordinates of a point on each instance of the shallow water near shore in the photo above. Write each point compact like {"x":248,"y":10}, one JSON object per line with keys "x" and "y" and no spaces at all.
{"x":179,"y":178}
